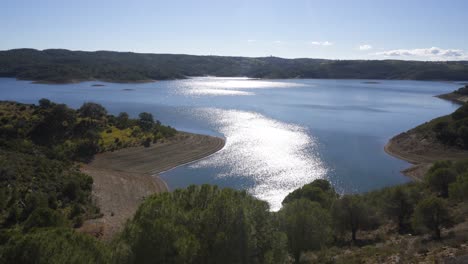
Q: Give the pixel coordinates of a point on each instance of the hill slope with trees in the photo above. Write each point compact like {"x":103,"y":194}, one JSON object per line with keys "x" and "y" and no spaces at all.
{"x":44,"y":198}
{"x":62,"y":66}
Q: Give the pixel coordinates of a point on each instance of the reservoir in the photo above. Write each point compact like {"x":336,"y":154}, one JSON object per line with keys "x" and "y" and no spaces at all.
{"x":280,"y":134}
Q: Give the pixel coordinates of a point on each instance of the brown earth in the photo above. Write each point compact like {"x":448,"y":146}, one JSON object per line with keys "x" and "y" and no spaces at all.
{"x":123,"y":178}
{"x":421,"y":151}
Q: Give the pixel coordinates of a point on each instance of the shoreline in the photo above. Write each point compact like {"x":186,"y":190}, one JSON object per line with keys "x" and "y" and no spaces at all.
{"x":420,"y":150}
{"x":123,"y":178}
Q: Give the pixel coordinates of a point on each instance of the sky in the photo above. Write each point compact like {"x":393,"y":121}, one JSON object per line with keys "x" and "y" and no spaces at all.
{"x":330,"y":29}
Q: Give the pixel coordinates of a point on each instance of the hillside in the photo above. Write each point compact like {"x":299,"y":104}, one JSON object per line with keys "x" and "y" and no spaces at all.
{"x":62,"y":66}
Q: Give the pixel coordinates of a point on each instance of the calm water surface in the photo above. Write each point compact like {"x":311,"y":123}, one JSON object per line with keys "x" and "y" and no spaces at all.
{"x":280,"y":134}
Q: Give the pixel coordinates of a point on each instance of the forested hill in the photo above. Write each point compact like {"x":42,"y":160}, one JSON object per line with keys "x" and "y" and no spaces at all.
{"x":58,"y":65}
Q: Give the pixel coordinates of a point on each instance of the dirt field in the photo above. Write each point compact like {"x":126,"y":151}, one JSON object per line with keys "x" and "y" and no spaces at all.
{"x":122,"y":179}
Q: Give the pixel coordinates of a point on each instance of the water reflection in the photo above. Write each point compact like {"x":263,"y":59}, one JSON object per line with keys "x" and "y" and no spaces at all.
{"x":228,"y":86}
{"x":278,"y":157}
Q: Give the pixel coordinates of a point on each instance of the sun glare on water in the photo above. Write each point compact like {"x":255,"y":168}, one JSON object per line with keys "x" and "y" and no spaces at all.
{"x":278,"y":157}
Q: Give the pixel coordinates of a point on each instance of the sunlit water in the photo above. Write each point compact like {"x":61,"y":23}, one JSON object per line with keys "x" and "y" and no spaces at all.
{"x":280,"y":134}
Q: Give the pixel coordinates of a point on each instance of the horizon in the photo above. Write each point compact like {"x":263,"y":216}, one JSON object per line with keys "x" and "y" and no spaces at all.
{"x":252,"y":57}
{"x":364,"y":30}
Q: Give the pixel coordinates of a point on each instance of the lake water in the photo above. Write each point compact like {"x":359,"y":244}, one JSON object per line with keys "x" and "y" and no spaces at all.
{"x":280,"y":134}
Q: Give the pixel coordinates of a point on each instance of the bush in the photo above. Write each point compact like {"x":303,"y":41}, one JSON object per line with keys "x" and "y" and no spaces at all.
{"x":54,"y":245}
{"x":44,"y":217}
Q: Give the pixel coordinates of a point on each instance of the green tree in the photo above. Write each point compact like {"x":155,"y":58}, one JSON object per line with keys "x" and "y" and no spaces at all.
{"x":122,"y":121}
{"x":45,"y":103}
{"x":440,"y":179}
{"x":202,"y":224}
{"x":56,"y":126}
{"x":146,"y":121}
{"x":320,"y":191}
{"x":350,"y":213}
{"x":399,"y":206}
{"x":458,"y":190}
{"x":431,"y":214}
{"x":307,"y":226}
{"x":92,"y":110}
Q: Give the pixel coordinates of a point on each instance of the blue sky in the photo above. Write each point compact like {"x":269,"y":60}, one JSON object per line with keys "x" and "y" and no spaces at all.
{"x":346,"y":29}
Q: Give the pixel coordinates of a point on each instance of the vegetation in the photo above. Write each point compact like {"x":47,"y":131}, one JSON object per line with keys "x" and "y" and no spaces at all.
{"x":431,"y":214}
{"x":202,"y":224}
{"x":43,"y":197}
{"x":450,"y":130}
{"x":58,"y":65}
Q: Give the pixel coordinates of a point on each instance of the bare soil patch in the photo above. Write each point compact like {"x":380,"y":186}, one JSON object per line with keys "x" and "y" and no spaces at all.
{"x":421,"y":150}
{"x":123,"y":178}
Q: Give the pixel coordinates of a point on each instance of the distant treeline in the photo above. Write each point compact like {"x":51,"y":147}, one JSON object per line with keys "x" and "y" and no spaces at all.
{"x":58,"y":65}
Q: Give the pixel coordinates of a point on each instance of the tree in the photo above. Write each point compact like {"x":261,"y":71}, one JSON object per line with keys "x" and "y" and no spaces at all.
{"x":431,"y":214}
{"x":45,"y":103}
{"x":56,"y":126}
{"x":92,"y":110}
{"x":307,"y":226}
{"x":319,"y":191}
{"x":349,"y":213}
{"x":146,"y":121}
{"x":399,"y":206}
{"x":458,"y":190}
{"x":203,"y":224}
{"x":440,"y":179}
{"x":122,"y":121}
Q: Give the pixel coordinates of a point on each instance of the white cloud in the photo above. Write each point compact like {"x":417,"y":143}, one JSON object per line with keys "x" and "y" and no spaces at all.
{"x":433,"y":53}
{"x":251,"y":40}
{"x":365,"y":47}
{"x":322,"y":43}
{"x":277,"y":42}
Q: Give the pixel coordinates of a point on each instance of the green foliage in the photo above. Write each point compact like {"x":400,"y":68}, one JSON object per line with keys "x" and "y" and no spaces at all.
{"x":146,"y":121}
{"x":56,"y":65}
{"x":351,"y":214}
{"x":53,"y":246}
{"x":431,"y":214}
{"x":29,"y":182}
{"x":458,"y":190}
{"x":439,"y":180}
{"x":202,"y":224}
{"x":122,"y":121}
{"x":92,"y":110}
{"x":44,"y":217}
{"x":399,"y":205}
{"x":450,"y":130}
{"x":55,"y":127}
{"x":319,"y":191}
{"x":307,"y":226}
